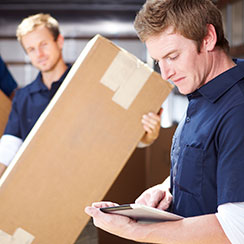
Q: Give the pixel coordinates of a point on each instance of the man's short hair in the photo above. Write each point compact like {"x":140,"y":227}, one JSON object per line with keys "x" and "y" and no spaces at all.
{"x":32,"y":22}
{"x":189,"y":18}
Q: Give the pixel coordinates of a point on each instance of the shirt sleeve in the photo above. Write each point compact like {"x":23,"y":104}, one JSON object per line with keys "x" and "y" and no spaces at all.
{"x":7,"y":82}
{"x":231,"y":219}
{"x":230,"y":144}
{"x":13,"y":124}
{"x":9,"y":145}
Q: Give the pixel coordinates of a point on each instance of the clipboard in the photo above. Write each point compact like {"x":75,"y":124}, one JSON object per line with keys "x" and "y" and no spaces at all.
{"x":142,"y":213}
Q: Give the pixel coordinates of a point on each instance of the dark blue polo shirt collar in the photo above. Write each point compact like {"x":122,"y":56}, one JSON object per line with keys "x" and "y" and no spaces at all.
{"x":38,"y":84}
{"x":215,"y":88}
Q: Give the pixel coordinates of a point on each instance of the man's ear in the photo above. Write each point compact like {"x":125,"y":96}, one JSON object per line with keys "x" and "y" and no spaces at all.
{"x":60,"y":41}
{"x":210,"y":39}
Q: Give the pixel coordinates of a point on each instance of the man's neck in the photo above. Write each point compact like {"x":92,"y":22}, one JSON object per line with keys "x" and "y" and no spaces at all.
{"x":54,"y":74}
{"x":220,"y":63}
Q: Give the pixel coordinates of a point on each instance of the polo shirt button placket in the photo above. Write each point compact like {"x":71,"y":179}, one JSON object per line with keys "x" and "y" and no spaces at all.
{"x":188,"y":119}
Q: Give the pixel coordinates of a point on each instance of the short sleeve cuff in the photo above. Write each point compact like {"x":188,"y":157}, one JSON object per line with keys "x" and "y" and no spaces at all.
{"x":231,"y":219}
{"x":9,"y":145}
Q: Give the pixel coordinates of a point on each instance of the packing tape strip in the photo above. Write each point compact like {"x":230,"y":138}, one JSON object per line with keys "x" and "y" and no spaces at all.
{"x":126,"y":76}
{"x":20,"y":236}
{"x":4,"y":237}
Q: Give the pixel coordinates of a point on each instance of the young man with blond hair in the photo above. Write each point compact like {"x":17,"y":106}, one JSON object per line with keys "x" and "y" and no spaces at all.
{"x":186,"y":38}
{"x":40,"y":37}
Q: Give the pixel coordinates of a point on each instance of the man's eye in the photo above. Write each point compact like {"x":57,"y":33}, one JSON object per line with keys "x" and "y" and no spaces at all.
{"x":30,"y":50}
{"x":173,"y":57}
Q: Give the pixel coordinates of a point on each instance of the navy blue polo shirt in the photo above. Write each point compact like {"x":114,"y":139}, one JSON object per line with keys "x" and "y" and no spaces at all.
{"x":7,"y":82}
{"x":208,"y":147}
{"x":28,"y":104}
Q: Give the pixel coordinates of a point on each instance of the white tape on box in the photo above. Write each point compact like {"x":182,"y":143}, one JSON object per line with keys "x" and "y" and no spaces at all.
{"x":20,"y":236}
{"x":126,"y":76}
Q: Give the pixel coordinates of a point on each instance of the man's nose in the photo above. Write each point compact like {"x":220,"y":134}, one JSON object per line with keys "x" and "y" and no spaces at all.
{"x":39,"y":51}
{"x":166,"y":70}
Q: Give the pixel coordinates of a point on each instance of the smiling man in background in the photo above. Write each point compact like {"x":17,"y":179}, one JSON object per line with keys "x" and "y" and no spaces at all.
{"x":40,"y":37}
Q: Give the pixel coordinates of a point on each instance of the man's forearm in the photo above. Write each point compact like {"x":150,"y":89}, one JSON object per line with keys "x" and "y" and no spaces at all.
{"x":2,"y":169}
{"x":196,"y":230}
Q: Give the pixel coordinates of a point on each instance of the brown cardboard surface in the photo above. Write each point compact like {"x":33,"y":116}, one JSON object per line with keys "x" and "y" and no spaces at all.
{"x":5,"y":107}
{"x":76,"y":150}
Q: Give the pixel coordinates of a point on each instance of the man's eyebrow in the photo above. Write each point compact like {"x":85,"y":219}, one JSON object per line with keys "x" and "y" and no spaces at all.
{"x":166,"y":55}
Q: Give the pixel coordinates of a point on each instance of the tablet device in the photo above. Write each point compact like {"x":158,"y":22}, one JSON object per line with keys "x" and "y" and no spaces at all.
{"x":141,"y":212}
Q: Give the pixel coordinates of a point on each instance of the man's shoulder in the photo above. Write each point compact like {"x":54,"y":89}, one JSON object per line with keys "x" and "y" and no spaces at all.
{"x":24,"y":90}
{"x":22,"y":94}
{"x":31,"y":87}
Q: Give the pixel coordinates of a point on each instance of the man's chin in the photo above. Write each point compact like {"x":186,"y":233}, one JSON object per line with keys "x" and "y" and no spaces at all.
{"x":44,"y":69}
{"x":184,"y":91}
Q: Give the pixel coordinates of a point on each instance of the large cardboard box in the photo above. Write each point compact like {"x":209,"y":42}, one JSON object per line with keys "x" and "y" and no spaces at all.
{"x":79,"y":145}
{"x":5,"y":107}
